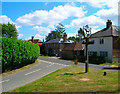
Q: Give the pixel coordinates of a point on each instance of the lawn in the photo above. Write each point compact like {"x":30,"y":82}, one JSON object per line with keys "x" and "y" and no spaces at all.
{"x":73,"y":79}
{"x":114,"y":64}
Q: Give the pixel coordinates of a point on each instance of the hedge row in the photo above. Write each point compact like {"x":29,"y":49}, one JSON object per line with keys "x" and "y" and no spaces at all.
{"x":17,"y":53}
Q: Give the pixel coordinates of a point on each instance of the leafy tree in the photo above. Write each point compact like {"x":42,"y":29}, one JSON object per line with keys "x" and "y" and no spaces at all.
{"x":9,"y":30}
{"x":81,"y":33}
{"x":53,"y":35}
{"x":74,"y":39}
{"x":60,"y":28}
{"x":71,"y":38}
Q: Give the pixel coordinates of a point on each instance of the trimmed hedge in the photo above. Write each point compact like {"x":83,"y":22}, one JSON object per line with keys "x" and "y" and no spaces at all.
{"x":17,"y":53}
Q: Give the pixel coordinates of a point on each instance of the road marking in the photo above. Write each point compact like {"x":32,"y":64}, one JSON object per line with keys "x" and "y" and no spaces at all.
{"x":49,"y":65}
{"x":5,"y":81}
{"x":53,"y":63}
{"x":32,"y":72}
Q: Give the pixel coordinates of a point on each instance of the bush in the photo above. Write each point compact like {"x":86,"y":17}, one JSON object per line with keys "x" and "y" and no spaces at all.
{"x":93,"y":59}
{"x":17,"y":53}
{"x":97,"y":59}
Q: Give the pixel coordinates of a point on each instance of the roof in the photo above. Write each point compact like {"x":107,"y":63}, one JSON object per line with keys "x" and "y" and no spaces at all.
{"x":36,"y":41}
{"x":111,"y":31}
{"x":59,"y":40}
{"x":76,"y":46}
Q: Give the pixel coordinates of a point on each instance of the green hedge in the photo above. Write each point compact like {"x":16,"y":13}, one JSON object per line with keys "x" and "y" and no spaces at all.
{"x":17,"y":53}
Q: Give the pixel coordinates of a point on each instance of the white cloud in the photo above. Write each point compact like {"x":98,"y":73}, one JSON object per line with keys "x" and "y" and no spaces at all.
{"x":51,"y":17}
{"x":90,"y":20}
{"x":42,"y":30}
{"x":71,"y":34}
{"x":20,"y":35}
{"x":37,"y":36}
{"x":5,"y":19}
{"x":111,"y":14}
{"x":101,"y":3}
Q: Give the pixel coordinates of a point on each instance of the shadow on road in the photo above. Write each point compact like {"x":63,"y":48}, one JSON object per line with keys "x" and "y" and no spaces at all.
{"x":112,"y":68}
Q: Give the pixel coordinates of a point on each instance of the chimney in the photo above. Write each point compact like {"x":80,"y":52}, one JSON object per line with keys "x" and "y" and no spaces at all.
{"x":65,"y":37}
{"x":108,"y":23}
{"x":32,"y":38}
{"x":43,"y":40}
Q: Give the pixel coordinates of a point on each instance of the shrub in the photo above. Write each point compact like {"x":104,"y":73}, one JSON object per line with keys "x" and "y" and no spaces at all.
{"x":93,"y":59}
{"x":17,"y":53}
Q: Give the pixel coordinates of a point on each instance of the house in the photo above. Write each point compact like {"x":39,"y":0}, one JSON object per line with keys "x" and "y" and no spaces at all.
{"x":72,"y":50}
{"x":36,"y":41}
{"x":55,"y":46}
{"x":106,"y":43}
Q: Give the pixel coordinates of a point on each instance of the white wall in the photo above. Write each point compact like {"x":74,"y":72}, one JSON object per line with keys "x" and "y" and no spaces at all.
{"x":107,"y":46}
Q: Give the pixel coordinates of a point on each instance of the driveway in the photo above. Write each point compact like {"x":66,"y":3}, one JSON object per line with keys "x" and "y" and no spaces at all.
{"x":44,"y":67}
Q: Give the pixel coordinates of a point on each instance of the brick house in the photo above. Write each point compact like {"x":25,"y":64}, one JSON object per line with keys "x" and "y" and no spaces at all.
{"x":55,"y":46}
{"x":106,"y":43}
{"x":36,"y":41}
{"x":72,"y":50}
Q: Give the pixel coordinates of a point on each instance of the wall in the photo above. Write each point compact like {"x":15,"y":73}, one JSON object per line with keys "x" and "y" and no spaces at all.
{"x":116,"y":49}
{"x":67,"y":54}
{"x":107,"y":46}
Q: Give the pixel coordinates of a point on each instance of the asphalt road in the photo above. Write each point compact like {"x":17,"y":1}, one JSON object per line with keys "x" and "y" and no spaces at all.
{"x":71,"y":63}
{"x":44,"y":67}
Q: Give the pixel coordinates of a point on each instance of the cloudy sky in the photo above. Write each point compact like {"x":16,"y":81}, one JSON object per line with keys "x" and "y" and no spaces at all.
{"x":39,"y":18}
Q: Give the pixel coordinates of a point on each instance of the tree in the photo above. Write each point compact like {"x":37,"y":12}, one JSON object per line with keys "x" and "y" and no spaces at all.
{"x":53,"y":35}
{"x":60,"y":28}
{"x":74,"y":39}
{"x":86,"y":36}
{"x":71,"y":38}
{"x":9,"y":30}
{"x":81,"y":33}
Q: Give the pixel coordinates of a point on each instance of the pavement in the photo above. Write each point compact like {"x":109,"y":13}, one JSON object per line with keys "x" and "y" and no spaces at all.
{"x":45,"y":66}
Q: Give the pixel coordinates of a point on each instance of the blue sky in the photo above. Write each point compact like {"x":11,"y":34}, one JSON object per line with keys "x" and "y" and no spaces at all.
{"x":39,"y":18}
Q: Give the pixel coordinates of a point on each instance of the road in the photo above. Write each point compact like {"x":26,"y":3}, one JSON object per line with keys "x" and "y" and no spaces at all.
{"x":44,"y":67}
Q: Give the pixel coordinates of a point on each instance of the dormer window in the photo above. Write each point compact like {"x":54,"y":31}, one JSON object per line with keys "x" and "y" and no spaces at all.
{"x":101,"y":41}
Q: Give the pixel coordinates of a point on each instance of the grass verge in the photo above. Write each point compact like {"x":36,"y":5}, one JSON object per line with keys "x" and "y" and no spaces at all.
{"x":73,"y":79}
{"x":20,"y":69}
{"x":111,"y":64}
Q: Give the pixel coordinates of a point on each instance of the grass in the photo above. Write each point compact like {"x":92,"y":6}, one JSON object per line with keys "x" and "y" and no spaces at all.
{"x":73,"y":79}
{"x":114,"y":64}
{"x":20,"y":69}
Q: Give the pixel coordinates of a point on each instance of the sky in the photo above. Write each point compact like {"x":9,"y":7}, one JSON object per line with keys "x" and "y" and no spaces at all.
{"x":37,"y":18}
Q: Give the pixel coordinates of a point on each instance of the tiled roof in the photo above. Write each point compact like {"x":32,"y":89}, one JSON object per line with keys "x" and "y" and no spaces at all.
{"x":59,"y":40}
{"x":76,"y":46}
{"x":36,"y":41}
{"x":111,"y":31}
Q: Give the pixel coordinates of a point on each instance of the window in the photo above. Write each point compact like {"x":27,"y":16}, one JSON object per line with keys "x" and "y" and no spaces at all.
{"x":54,"y":52}
{"x":104,"y":53}
{"x":54,"y":45}
{"x":92,"y":53}
{"x":78,"y":53}
{"x":47,"y":51}
{"x":101,"y":41}
{"x":48,"y":45}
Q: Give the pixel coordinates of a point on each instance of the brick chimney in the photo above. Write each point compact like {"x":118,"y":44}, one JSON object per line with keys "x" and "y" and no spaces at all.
{"x":65,"y":37}
{"x":32,"y":38}
{"x":108,"y":23}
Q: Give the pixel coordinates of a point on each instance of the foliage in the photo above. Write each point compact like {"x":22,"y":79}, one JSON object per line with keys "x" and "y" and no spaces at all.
{"x":71,"y":38}
{"x":81,"y":33}
{"x":53,"y":35}
{"x":9,"y":30}
{"x":60,"y":28}
{"x":74,"y":39}
{"x":17,"y":53}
